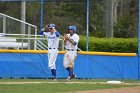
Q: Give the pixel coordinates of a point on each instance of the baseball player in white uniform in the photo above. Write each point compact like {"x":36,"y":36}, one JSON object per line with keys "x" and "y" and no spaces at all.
{"x":53,"y":42}
{"x":71,"y":42}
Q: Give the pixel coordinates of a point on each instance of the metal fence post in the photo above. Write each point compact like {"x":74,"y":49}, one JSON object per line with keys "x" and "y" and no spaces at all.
{"x":87,"y":19}
{"x":22,"y":40}
{"x":23,"y":16}
{"x":4,"y":24}
{"x":35,"y":41}
{"x":139,"y":43}
{"x":29,"y":41}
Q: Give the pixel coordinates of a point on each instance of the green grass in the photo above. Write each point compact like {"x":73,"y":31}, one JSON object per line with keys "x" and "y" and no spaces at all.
{"x":53,"y":87}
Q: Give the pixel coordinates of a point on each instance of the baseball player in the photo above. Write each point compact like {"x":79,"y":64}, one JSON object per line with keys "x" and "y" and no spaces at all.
{"x":71,"y":42}
{"x":53,"y":42}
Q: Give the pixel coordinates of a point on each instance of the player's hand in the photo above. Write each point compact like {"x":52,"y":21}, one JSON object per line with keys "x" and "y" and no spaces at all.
{"x":45,"y":28}
{"x":65,"y":36}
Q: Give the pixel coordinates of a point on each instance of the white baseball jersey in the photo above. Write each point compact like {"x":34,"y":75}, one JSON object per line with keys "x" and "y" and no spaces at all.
{"x":53,"y":39}
{"x":75,"y":38}
{"x":71,"y":50}
{"x":53,"y":42}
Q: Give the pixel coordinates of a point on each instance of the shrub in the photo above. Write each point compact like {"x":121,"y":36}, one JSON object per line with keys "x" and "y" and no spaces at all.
{"x":128,"y":45}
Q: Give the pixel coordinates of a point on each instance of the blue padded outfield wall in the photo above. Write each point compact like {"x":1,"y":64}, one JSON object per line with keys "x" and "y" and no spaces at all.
{"x":35,"y":65}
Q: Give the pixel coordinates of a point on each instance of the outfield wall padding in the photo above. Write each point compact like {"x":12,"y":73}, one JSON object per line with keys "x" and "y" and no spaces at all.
{"x":35,"y":65}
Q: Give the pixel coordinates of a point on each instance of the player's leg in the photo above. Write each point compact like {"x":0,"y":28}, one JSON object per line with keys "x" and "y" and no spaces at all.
{"x":71,"y":64}
{"x":66,"y":62}
{"x":52,"y":66}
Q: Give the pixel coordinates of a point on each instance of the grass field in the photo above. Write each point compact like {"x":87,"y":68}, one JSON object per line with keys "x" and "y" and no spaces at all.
{"x":47,"y":86}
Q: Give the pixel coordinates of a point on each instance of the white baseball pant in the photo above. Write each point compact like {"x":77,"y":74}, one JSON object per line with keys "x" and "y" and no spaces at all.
{"x":52,"y":56}
{"x":69,"y":58}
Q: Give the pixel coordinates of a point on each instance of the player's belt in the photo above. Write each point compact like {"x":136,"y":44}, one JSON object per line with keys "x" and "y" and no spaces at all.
{"x":52,"y":48}
{"x":71,"y":49}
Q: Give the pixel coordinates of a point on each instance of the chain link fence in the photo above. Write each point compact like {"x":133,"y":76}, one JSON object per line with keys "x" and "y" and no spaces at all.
{"x":73,"y":12}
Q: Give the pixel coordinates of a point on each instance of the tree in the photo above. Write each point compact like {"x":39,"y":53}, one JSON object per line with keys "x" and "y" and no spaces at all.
{"x":115,"y":10}
{"x":109,"y":18}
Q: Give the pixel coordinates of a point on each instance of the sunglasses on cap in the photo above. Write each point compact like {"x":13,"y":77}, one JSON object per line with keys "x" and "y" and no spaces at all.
{"x":50,"y":28}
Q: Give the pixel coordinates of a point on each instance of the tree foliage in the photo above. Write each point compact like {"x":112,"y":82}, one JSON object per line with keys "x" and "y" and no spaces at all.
{"x":73,"y":12}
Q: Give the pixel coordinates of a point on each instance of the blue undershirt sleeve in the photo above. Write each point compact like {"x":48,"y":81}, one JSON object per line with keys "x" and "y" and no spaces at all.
{"x":75,"y":43}
{"x":41,"y":32}
{"x":57,"y":34}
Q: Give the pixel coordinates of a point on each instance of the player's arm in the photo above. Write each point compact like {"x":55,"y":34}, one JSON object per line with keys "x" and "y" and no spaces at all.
{"x":43,"y":30}
{"x":72,"y":41}
{"x":57,"y":34}
{"x":65,"y":38}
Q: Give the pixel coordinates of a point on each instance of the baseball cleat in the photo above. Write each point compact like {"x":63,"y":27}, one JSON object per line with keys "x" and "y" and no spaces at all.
{"x":69,"y":78}
{"x":73,"y":76}
{"x":55,"y":80}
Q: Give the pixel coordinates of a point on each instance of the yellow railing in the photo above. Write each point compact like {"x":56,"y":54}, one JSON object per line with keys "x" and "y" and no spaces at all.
{"x":62,"y":52}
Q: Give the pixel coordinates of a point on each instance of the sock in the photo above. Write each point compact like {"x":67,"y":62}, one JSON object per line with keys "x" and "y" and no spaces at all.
{"x":53,"y":73}
{"x":71,"y":72}
{"x":68,"y":69}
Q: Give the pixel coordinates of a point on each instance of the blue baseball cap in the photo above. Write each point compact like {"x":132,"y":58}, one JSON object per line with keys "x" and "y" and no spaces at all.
{"x":51,"y":25}
{"x":72,"y":28}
